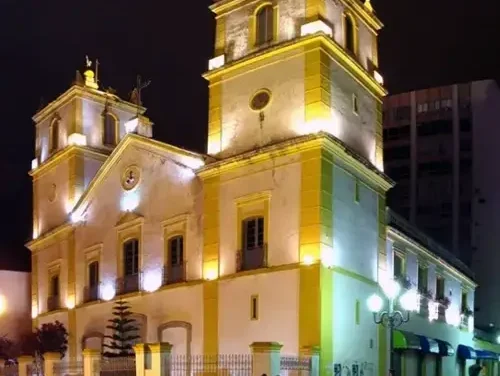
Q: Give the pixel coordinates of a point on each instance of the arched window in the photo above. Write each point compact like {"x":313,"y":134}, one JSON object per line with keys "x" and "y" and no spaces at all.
{"x":350,"y":43}
{"x":54,"y":136}
{"x":264,"y":25}
{"x":131,"y":257}
{"x":109,"y":131}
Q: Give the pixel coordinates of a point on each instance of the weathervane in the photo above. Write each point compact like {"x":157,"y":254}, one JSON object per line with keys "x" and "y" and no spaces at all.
{"x":87,"y":61}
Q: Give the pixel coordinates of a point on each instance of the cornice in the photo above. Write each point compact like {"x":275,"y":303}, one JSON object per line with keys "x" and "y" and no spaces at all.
{"x":429,"y":255}
{"x":64,"y":155}
{"x":305,"y":43}
{"x":340,"y":150}
{"x":86,"y":93}
{"x":43,"y":240}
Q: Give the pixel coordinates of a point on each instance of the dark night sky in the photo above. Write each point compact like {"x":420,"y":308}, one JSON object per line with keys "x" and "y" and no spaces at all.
{"x":424,"y":43}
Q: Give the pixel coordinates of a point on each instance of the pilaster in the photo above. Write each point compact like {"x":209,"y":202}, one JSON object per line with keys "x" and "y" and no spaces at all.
{"x":266,"y":358}
{"x":317,"y":85}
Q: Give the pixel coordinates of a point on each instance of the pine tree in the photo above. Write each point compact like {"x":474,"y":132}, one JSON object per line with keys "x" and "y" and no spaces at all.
{"x":124,"y":331}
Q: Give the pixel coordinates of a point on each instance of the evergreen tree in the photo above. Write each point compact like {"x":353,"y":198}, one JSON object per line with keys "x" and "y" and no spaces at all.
{"x":124,"y":331}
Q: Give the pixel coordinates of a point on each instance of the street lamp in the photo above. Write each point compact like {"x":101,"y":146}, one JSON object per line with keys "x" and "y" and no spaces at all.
{"x":392,"y":318}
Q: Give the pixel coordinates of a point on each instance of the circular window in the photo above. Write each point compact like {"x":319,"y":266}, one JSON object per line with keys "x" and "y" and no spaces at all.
{"x":260,"y":100}
{"x":131,"y":177}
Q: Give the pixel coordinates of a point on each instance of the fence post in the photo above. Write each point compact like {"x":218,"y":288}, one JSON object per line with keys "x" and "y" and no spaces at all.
{"x":160,"y":358}
{"x":50,"y":359}
{"x":266,"y":358}
{"x":140,"y":361}
{"x":311,"y":352}
{"x":23,"y":362}
{"x":91,"y":362}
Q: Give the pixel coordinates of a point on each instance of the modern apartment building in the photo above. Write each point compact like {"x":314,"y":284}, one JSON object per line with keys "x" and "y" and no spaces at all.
{"x":440,"y":145}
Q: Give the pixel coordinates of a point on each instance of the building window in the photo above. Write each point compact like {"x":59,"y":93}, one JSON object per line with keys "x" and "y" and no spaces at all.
{"x":350,"y":41}
{"x":253,"y":233}
{"x":109,"y":129}
{"x":254,"y":307}
{"x":54,"y":136}
{"x":264,"y":25}
{"x":176,"y":251}
{"x":399,"y":265}
{"x":422,"y":278}
{"x":131,"y":257}
{"x":54,"y":286}
{"x":355,"y":104}
{"x":94,"y":274}
{"x":464,"y":301}
{"x":440,"y":287}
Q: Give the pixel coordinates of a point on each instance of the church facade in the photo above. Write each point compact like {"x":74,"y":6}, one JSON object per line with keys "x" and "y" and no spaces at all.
{"x":277,"y":234}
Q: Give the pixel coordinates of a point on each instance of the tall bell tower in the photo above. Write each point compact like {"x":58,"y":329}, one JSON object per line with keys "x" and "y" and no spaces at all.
{"x":285,"y":68}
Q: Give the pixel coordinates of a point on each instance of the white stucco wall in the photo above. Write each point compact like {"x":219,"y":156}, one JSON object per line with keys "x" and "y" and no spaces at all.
{"x":164,"y":192}
{"x":355,"y":226}
{"x":353,"y":341}
{"x":277,"y":316}
{"x":241,"y":126}
{"x":280,"y":177}
{"x":357,"y":130}
{"x":15,"y":290}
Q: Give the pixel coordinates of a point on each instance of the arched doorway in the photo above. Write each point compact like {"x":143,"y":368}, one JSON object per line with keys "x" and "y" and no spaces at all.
{"x":92,"y":340}
{"x":179,"y":334}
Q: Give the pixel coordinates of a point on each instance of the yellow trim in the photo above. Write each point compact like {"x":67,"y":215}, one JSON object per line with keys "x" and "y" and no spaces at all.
{"x":317,"y":86}
{"x":71,"y":281}
{"x":335,"y":51}
{"x":254,"y":302}
{"x":76,"y":183}
{"x":431,"y":257}
{"x":374,"y":179}
{"x":357,"y":312}
{"x":214,"y":142}
{"x":72,"y":334}
{"x":211,"y":317}
{"x":355,"y":32}
{"x":211,"y":191}
{"x":315,"y":10}
{"x":220,"y":35}
{"x":260,"y":91}
{"x":382,"y":236}
{"x":36,"y":220}
{"x":125,"y":232}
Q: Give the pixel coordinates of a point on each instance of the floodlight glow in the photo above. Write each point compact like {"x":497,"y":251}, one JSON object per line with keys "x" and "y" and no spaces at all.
{"x":216,"y":62}
{"x":108,"y":291}
{"x":152,"y":280}
{"x":131,"y":125}
{"x":77,"y":139}
{"x":375,"y":303}
{"x":315,"y":27}
{"x":391,"y":288}
{"x":409,"y":300}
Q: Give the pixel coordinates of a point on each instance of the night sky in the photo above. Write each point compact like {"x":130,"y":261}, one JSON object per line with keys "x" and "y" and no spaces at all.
{"x":42,"y":43}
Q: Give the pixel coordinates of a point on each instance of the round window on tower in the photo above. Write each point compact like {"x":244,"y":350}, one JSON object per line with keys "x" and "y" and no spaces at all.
{"x":260,"y":100}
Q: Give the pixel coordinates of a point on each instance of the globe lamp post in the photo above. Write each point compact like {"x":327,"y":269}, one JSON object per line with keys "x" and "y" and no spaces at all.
{"x":391,"y":317}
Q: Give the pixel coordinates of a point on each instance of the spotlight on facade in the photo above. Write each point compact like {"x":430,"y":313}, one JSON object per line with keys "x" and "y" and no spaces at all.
{"x":375,"y":303}
{"x":211,"y":274}
{"x":130,"y":201}
{"x":108,"y":291}
{"x":70,"y":302}
{"x":152,"y":280}
{"x":308,"y":260}
{"x":34,"y":312}
{"x":77,"y":139}
{"x":3,"y":304}
{"x":131,"y":125}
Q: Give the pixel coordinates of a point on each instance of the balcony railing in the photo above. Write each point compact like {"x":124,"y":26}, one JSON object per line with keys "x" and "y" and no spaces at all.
{"x":53,"y":303}
{"x":90,"y":293}
{"x":174,"y":273}
{"x":128,"y":284}
{"x":251,"y":259}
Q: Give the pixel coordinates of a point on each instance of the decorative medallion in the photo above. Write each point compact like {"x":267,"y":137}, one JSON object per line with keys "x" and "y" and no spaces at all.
{"x":52,"y":193}
{"x":260,"y":100}
{"x":131,"y":177}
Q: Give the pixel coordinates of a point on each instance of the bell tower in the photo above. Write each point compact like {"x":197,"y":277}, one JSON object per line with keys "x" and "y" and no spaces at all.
{"x":74,"y":135}
{"x":285,"y":68}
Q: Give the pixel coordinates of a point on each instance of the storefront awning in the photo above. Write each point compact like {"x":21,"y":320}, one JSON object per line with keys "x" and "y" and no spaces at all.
{"x":467,"y":352}
{"x":411,"y":341}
